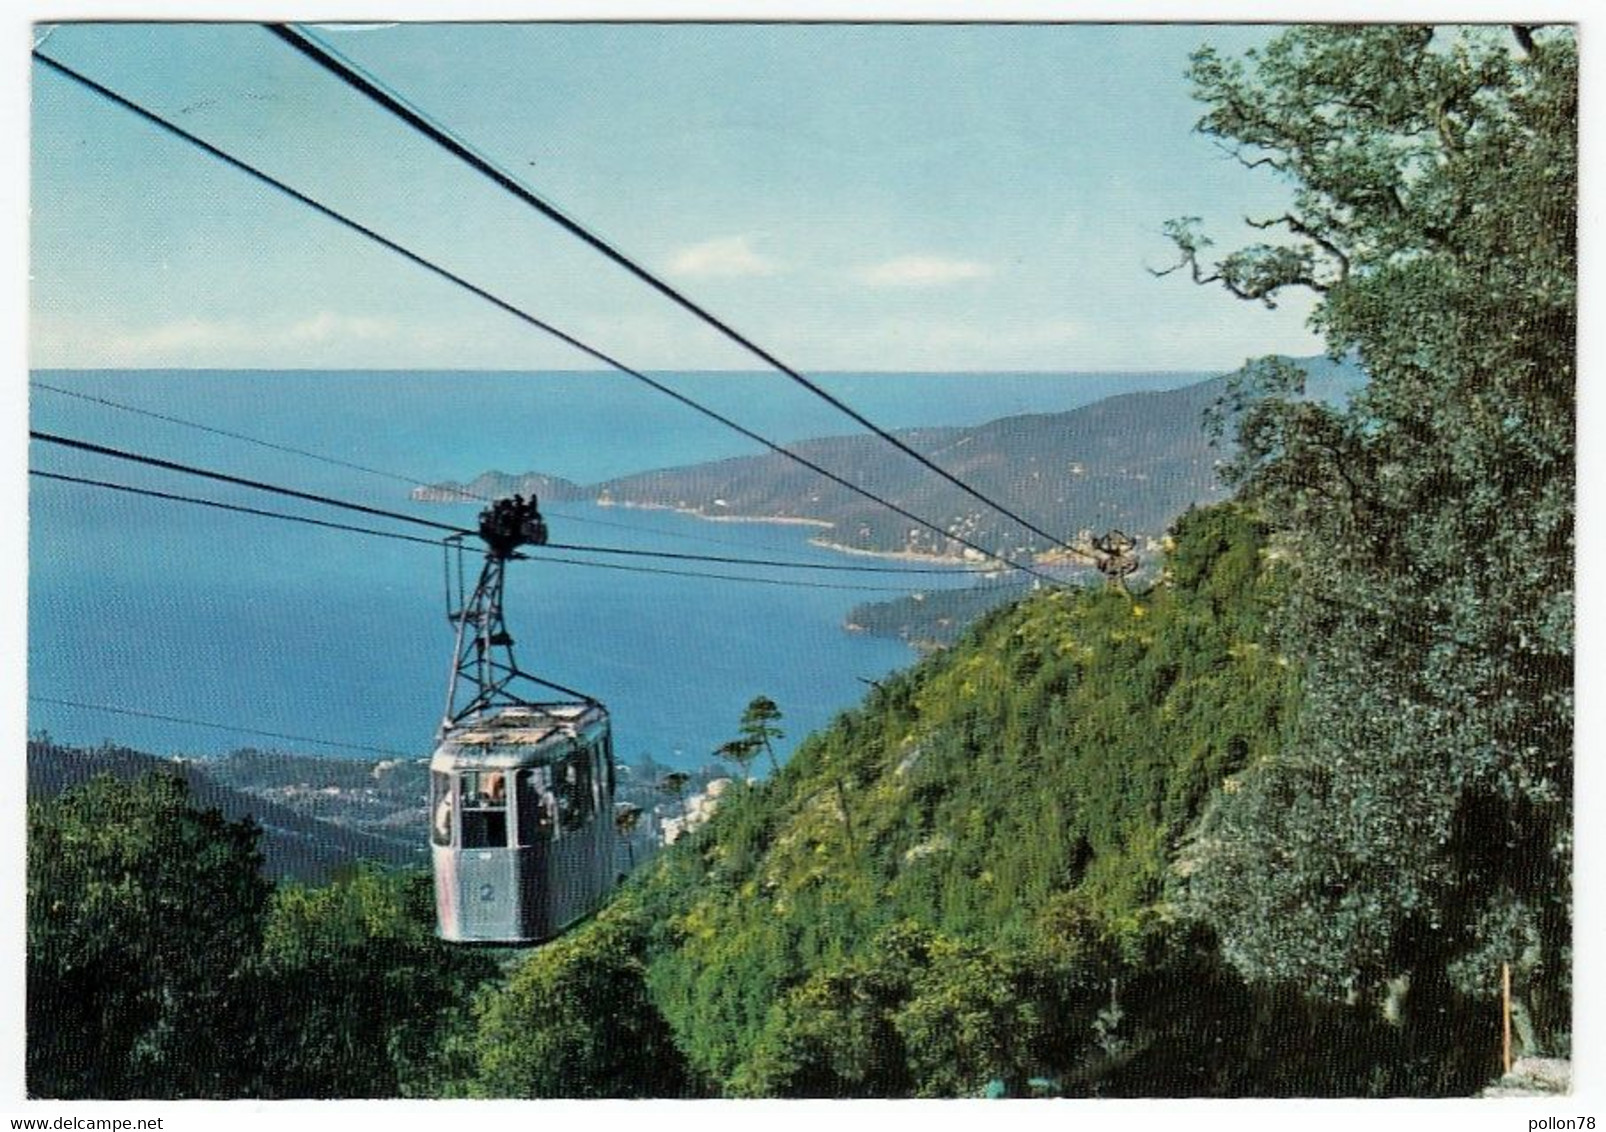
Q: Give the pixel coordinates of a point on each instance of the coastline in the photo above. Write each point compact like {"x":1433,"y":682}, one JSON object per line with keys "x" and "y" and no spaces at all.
{"x":898,"y":555}
{"x":955,"y":560}
{"x":778,"y":520}
{"x":820,"y":541}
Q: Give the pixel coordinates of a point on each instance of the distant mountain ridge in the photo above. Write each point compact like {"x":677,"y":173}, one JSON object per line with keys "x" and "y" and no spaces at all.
{"x":496,"y":485}
{"x":1134,"y":461}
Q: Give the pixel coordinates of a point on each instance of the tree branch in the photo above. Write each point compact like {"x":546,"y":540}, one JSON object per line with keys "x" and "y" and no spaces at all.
{"x":1299,"y":227}
{"x":1441,"y":121}
{"x":1191,"y":261}
{"x":1236,"y":152}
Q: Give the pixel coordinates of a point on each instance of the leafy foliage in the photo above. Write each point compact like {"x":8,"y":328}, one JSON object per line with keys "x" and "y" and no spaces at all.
{"x":575,"y":1021}
{"x":143,"y":920}
{"x":940,"y":890}
{"x":162,"y":964}
{"x":1416,"y":830}
{"x":368,"y":1002}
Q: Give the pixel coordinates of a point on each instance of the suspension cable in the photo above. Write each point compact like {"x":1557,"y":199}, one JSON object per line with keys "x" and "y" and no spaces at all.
{"x":416,"y":481}
{"x":519,"y":313}
{"x":221,"y":506}
{"x":366,"y":84}
{"x":536,"y":555}
{"x":79,"y":704}
{"x":224,"y":477}
{"x":259,"y":485}
{"x":258,"y":441}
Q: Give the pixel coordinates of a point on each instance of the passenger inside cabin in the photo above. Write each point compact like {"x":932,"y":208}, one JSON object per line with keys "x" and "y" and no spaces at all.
{"x":443,"y":819}
{"x":537,"y":809}
{"x":484,"y":809}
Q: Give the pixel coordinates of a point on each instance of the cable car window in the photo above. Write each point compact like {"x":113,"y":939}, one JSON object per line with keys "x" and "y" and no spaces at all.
{"x":573,"y":789}
{"x":441,"y":807}
{"x":607,"y":761}
{"x":537,"y":808}
{"x":484,"y":798}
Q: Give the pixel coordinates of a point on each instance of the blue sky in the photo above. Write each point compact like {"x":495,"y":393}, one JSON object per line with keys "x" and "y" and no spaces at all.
{"x":819,"y":192}
{"x":882,"y":197}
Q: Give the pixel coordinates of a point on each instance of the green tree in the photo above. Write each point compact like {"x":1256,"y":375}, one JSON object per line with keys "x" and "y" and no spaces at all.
{"x":363,"y":999}
{"x":742,"y":752}
{"x":1416,"y":831}
{"x":575,"y":1021}
{"x":976,"y":1014}
{"x":758,"y":726}
{"x":144,"y":918}
{"x":835,"y":1035}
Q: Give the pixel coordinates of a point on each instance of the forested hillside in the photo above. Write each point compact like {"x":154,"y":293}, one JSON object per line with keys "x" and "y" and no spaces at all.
{"x":980,"y":876}
{"x":940,"y":889}
{"x":1132,"y":461}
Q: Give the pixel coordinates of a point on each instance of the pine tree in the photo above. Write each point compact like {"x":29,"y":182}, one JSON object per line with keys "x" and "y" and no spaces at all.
{"x":758,"y":726}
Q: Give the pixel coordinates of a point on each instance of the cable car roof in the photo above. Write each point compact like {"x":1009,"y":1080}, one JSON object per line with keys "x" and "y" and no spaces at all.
{"x":517,"y":734}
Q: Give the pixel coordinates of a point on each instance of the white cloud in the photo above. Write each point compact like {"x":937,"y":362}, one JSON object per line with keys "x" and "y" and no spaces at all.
{"x":329,"y":327}
{"x":214,"y":341}
{"x":921,"y":271}
{"x":728,"y":257}
{"x":184,"y":337}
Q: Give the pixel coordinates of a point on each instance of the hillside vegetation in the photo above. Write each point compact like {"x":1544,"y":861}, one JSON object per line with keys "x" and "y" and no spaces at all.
{"x":162,"y":963}
{"x":975,"y":846}
{"x":979,"y":876}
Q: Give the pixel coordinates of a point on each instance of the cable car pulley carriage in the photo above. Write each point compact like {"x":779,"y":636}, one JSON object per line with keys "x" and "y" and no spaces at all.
{"x":521,"y":782}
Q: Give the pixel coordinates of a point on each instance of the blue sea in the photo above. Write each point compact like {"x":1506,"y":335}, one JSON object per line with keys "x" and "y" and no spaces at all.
{"x":164,"y":608}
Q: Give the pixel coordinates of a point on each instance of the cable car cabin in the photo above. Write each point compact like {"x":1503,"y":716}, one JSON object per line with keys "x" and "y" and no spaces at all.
{"x":522,"y":822}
